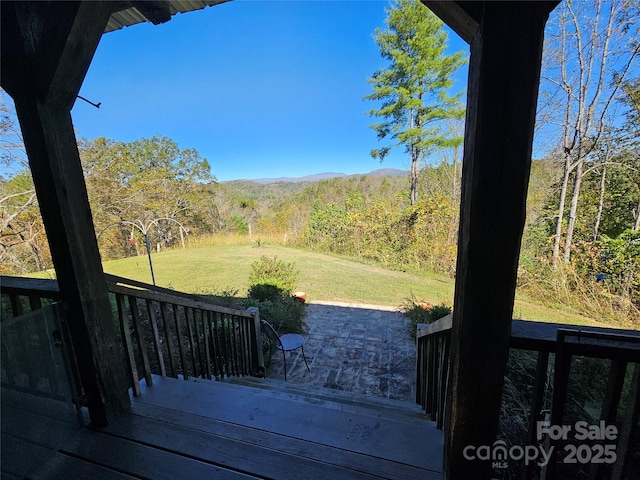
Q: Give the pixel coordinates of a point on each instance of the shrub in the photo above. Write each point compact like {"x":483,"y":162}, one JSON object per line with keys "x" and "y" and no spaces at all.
{"x":265,"y":291}
{"x":285,"y":313}
{"x":271,"y":271}
{"x":420,"y":311}
{"x":270,"y":285}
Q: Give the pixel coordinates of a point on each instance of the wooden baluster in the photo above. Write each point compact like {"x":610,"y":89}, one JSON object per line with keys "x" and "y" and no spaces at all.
{"x":444,"y":378}
{"x":542,"y":365}
{"x":16,"y":305}
{"x":156,"y":336}
{"x":428,"y":407}
{"x":218,"y":346}
{"x":135,"y":314}
{"x":233,"y":344}
{"x":179,"y":332}
{"x":251,"y":360}
{"x":213,"y":351}
{"x":244,"y":346}
{"x":205,"y":341}
{"x":629,"y":424}
{"x":256,"y":333}
{"x":194,"y":346}
{"x":560,"y":383}
{"x":229,"y":333}
{"x":418,"y":369}
{"x":128,"y":345}
{"x":248,"y":345}
{"x":197,"y":326}
{"x":35,"y":302}
{"x":609,"y":412}
{"x":434,"y":377}
{"x":9,"y":351}
{"x":447,"y":377}
{"x":164,"y":311}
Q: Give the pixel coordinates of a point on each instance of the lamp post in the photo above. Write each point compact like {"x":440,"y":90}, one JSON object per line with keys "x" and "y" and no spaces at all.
{"x":146,"y":242}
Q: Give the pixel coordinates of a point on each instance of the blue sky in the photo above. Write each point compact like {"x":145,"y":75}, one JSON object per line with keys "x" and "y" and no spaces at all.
{"x":259,"y":88}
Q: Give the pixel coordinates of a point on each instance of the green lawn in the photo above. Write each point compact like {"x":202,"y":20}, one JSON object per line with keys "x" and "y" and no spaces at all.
{"x":322,"y":277}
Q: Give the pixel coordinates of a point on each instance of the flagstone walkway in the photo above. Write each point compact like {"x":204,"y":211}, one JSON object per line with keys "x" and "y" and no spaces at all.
{"x":357,"y":348}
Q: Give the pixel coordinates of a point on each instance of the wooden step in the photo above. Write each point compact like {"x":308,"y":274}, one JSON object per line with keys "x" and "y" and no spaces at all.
{"x":330,"y":398}
{"x":185,"y":434}
{"x":417,"y":444}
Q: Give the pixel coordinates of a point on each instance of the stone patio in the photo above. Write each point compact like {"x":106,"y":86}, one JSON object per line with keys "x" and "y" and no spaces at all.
{"x":363,"y":349}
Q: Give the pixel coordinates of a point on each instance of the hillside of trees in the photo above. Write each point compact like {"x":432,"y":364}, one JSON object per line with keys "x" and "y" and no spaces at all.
{"x":581,"y":246}
{"x":364,"y":217}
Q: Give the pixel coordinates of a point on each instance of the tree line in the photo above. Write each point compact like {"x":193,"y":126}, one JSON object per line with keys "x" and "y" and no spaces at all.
{"x":581,"y":244}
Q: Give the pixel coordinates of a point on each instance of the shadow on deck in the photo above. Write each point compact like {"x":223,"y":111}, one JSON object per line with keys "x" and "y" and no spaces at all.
{"x":204,"y":429}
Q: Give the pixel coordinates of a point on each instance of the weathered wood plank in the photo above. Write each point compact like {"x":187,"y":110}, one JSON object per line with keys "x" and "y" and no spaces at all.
{"x":436,"y":327}
{"x":629,"y":426}
{"x":148,"y":290}
{"x":156,"y":336}
{"x":135,"y":314}
{"x":396,"y":441}
{"x":42,"y":287}
{"x":22,"y":428}
{"x":164,"y":312}
{"x":177,"y":317}
{"x":285,"y":444}
{"x":256,"y":332}
{"x":183,"y":300}
{"x":20,"y":458}
{"x":216,"y":345}
{"x":455,"y":16}
{"x":195,"y":354}
{"x":60,"y":410}
{"x":63,"y":467}
{"x":226,"y":452}
{"x":142,"y":461}
{"x":501,"y":110}
{"x":132,"y":369}
{"x":542,"y":365}
{"x":541,"y":336}
{"x":206,"y":333}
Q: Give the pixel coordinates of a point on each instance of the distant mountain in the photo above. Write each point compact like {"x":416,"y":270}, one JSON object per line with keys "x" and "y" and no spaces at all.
{"x":388,"y":172}
{"x":382,"y":172}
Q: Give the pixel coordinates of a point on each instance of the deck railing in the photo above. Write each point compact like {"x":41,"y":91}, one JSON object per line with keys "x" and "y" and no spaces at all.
{"x":163,"y":332}
{"x":432,"y":370}
{"x":565,"y":342}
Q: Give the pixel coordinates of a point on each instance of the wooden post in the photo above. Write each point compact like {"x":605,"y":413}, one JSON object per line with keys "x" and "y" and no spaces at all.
{"x":47,"y":48}
{"x":504,"y":74}
{"x":256,"y":332}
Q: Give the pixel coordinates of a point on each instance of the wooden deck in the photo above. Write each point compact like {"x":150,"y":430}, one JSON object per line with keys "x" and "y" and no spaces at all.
{"x":179,"y":429}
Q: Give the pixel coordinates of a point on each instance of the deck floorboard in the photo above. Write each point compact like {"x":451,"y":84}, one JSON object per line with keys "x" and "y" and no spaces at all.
{"x":377,"y":437}
{"x":178,"y":429}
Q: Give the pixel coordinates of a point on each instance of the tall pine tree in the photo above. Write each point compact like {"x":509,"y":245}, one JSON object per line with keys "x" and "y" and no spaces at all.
{"x":413,"y":90}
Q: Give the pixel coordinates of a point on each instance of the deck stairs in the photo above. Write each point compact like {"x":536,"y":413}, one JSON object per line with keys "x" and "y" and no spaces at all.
{"x":243,"y":428}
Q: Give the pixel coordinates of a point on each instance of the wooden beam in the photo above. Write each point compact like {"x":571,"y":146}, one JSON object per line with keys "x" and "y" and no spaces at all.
{"x":51,"y":45}
{"x":47,"y":47}
{"x":502,"y":94}
{"x":57,"y":175}
{"x":156,"y":12}
{"x":461,"y":17}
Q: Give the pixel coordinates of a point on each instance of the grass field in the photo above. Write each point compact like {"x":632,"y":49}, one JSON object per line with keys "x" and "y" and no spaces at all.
{"x":322,"y":277}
